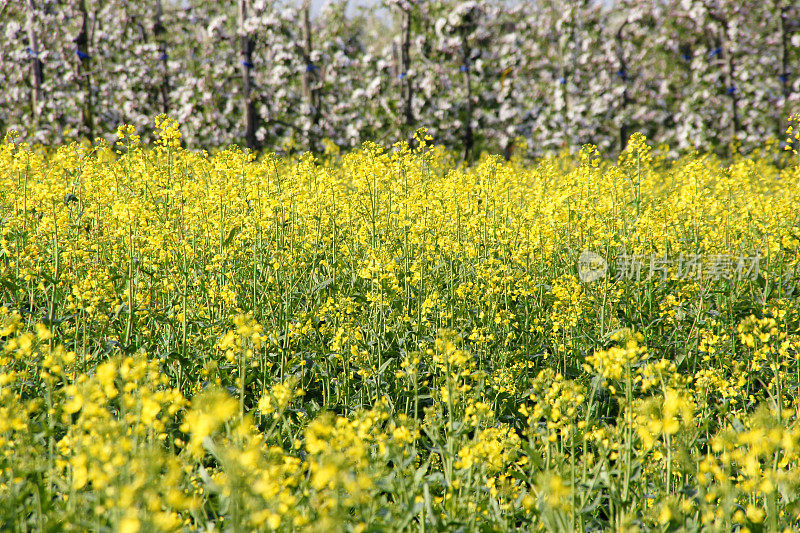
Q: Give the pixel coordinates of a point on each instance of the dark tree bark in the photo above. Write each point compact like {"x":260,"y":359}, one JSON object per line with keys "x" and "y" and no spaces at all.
{"x":466,"y":53}
{"x":158,"y":34}
{"x":82,"y":42}
{"x":405,"y":79}
{"x":37,"y":75}
{"x":622,"y":73}
{"x":722,"y":40}
{"x":564,"y":81}
{"x":247,"y":45}
{"x":783,"y":57}
{"x":310,"y":79}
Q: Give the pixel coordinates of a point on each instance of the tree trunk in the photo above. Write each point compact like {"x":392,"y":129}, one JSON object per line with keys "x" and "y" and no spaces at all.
{"x":469,"y":139}
{"x":565,"y":124}
{"x":724,"y":45}
{"x":310,"y":89}
{"x":37,"y":76}
{"x":783,"y":55}
{"x":564,"y":82}
{"x":622,"y":73}
{"x":158,"y":34}
{"x":405,"y":80}
{"x":82,"y":42}
{"x":247,"y":66}
{"x":733,"y":93}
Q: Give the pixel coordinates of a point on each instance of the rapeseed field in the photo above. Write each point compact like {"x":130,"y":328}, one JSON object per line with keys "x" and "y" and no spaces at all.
{"x":387,"y":340}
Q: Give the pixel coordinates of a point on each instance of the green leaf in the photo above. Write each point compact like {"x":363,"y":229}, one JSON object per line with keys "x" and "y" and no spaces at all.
{"x":231,"y":234}
{"x":322,"y":284}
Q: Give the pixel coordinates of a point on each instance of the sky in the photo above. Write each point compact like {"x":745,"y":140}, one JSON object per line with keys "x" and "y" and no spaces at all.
{"x":316,"y":5}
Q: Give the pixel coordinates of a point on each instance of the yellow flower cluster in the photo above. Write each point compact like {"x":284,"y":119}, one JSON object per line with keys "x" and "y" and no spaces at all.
{"x":387,"y":340}
{"x":618,"y":361}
